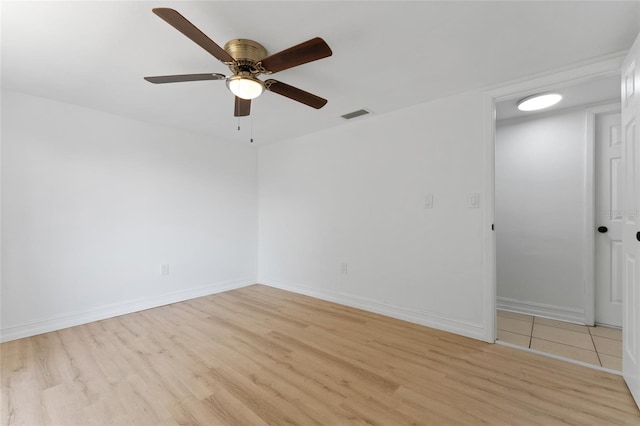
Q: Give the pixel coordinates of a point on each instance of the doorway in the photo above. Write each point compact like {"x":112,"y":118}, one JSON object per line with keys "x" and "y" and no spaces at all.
{"x":553,"y":169}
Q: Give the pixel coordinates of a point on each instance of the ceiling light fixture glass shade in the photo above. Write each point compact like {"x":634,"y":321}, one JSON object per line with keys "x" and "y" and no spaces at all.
{"x":245,"y":86}
{"x":539,"y":101}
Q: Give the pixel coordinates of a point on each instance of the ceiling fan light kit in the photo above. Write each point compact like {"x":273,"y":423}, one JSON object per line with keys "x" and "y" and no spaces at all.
{"x":245,"y":86}
{"x":247,"y":59}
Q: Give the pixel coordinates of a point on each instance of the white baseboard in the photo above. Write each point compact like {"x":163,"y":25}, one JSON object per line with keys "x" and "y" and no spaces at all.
{"x":58,"y":322}
{"x":414,"y":315}
{"x":560,"y":313}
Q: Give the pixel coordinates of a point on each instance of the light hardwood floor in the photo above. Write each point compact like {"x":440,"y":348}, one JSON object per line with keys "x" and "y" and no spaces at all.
{"x":259,"y":356}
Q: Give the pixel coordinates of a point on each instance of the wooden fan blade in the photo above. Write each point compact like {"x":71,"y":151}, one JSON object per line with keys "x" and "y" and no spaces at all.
{"x":183,"y":77}
{"x":310,"y":50}
{"x":296,"y":94}
{"x":242,"y":107}
{"x":181,"y":24}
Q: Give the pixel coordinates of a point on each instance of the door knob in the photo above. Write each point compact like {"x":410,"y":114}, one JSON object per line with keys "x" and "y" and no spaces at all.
{"x":602,"y":229}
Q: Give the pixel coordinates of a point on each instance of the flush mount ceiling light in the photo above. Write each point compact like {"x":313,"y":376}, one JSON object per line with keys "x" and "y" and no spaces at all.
{"x":539,"y":101}
{"x":245,"y":86}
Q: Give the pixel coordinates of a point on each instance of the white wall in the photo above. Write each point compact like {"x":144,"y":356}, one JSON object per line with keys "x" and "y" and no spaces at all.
{"x":355,"y":195}
{"x":540,"y":214}
{"x":93,"y":204}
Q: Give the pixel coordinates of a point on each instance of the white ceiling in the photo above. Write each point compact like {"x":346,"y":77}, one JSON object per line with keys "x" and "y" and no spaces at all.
{"x":386,"y":55}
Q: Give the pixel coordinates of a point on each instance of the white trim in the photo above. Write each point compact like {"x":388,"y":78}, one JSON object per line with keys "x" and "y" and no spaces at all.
{"x":546,"y":81}
{"x":489,"y":254}
{"x":561,"y":313}
{"x":590,"y":224}
{"x":560,"y":358}
{"x":414,"y":315}
{"x":58,"y":322}
{"x":589,"y":255}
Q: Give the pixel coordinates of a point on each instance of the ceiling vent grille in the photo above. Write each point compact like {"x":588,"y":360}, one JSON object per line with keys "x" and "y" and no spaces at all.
{"x":355,"y":114}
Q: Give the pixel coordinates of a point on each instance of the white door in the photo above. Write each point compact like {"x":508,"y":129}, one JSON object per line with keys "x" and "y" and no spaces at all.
{"x":608,"y":219}
{"x":631,"y":220}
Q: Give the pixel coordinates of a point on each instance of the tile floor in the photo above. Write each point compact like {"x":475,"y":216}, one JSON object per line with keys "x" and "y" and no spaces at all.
{"x":594,"y":345}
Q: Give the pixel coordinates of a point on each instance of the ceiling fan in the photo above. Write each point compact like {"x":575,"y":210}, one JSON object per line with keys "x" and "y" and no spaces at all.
{"x":247,"y":59}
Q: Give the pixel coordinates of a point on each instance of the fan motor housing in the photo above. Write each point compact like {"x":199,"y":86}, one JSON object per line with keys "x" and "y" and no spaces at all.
{"x":243,"y":49}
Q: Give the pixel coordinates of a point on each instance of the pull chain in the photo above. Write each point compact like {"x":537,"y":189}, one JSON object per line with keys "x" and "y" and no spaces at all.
{"x":251,"y":125}
{"x":250,"y":128}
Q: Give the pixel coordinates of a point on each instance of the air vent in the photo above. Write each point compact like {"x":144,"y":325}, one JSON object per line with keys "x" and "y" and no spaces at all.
{"x":355,"y":114}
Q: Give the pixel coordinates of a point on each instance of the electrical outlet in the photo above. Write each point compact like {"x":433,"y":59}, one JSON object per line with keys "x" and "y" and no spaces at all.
{"x":165,"y":269}
{"x":344,"y":268}
{"x":473,"y":201}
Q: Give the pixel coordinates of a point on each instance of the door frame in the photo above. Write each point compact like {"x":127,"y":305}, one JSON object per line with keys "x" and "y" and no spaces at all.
{"x":514,"y":90}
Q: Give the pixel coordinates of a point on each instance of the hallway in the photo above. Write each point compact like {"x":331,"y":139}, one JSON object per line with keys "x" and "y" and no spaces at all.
{"x":598,"y":345}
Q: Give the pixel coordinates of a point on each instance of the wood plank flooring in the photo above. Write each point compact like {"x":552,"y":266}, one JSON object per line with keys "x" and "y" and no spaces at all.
{"x":261,"y":356}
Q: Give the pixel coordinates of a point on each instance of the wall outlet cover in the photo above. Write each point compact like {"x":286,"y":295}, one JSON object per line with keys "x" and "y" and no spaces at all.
{"x":473,"y":201}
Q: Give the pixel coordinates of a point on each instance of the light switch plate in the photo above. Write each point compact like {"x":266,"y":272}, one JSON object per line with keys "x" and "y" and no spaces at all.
{"x":428,"y":201}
